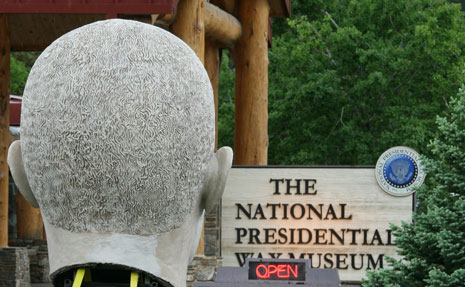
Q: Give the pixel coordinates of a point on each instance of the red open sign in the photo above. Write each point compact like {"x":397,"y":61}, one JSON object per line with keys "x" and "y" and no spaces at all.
{"x":281,"y":270}
{"x":290,"y":271}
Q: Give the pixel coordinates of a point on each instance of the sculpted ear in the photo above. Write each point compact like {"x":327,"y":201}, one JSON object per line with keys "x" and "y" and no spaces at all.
{"x":215,"y":181}
{"x":15,"y":161}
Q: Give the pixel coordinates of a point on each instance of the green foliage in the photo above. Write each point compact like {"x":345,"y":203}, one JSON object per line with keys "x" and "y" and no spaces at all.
{"x":349,"y":79}
{"x":18,"y":76}
{"x":28,"y":58}
{"x":362,"y":76}
{"x":226,"y":102}
{"x":20,"y":65}
{"x":434,"y":247}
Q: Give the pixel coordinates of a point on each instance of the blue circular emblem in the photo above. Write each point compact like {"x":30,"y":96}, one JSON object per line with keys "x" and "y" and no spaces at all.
{"x":398,"y":171}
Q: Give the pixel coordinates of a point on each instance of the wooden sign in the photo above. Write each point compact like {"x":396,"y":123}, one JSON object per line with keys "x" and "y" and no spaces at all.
{"x":337,"y":217}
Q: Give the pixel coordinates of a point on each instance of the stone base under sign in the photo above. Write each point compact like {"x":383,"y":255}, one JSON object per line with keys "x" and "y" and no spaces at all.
{"x":202,"y":268}
{"x":38,"y":258}
{"x":14,"y":267}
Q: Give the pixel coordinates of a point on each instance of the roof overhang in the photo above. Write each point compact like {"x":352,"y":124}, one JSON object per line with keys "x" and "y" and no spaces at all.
{"x":35,"y":24}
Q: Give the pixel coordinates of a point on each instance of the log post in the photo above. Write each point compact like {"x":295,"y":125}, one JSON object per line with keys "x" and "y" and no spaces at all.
{"x":29,"y":220}
{"x":4,"y":124}
{"x":251,"y":62}
{"x":212,"y":65}
{"x":189,"y":25}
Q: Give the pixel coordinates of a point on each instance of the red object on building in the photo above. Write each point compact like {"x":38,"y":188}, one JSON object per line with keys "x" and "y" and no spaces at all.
{"x":15,"y":110}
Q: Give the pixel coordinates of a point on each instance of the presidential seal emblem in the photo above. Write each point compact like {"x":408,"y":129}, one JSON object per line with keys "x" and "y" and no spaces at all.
{"x":399,"y":171}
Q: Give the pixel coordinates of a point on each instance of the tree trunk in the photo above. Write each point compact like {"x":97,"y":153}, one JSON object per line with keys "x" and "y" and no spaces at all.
{"x":189,"y":25}
{"x":251,"y":62}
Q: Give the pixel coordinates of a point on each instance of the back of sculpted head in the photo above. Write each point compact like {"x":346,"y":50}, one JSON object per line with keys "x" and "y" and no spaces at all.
{"x":117,"y":129}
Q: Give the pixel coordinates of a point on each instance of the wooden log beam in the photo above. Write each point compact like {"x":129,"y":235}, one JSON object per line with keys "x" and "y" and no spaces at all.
{"x":218,"y":24}
{"x":167,"y":18}
{"x":29,"y":221}
{"x":221,"y":25}
{"x":189,"y":25}
{"x":227,"y":5}
{"x":212,"y":65}
{"x":251,"y":62}
{"x":163,"y":21}
{"x":4,"y":124}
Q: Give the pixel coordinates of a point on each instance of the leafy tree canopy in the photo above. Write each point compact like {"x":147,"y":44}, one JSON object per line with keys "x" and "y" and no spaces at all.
{"x":18,"y":76}
{"x":226,"y":102}
{"x":361,"y":77}
{"x":20,"y":65}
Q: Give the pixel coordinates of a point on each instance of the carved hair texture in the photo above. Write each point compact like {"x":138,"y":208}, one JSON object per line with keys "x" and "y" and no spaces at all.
{"x":117,"y":128}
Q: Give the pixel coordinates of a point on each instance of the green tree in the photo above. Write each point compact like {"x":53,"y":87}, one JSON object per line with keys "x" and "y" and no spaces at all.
{"x":18,"y":76}
{"x":226,"y":102}
{"x":28,"y":58}
{"x":434,"y":246}
{"x":360,"y":77}
{"x":20,"y":65}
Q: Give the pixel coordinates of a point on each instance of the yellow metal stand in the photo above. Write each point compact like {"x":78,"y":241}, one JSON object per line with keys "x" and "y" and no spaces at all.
{"x":134,"y":279}
{"x":83,"y":275}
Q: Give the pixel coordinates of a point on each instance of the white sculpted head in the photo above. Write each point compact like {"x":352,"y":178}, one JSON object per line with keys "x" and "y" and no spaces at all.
{"x":117,"y":141}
